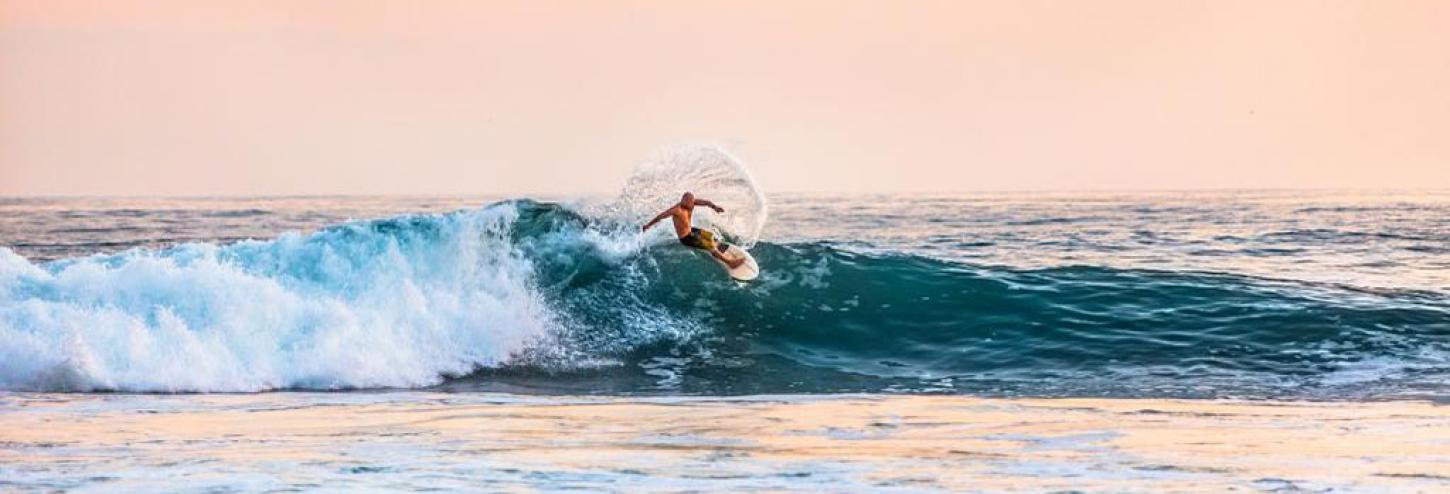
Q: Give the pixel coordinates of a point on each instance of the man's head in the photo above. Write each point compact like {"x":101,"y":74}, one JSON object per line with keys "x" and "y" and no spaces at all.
{"x":687,"y":200}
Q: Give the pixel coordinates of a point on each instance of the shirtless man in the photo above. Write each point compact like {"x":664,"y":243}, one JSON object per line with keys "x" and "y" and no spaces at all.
{"x":691,"y":236}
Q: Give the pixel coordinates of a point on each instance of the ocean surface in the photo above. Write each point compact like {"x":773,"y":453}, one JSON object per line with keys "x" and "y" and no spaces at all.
{"x":1271,"y":341}
{"x":1338,"y":295}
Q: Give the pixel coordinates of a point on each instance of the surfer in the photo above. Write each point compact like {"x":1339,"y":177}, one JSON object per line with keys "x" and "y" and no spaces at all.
{"x":691,"y":236}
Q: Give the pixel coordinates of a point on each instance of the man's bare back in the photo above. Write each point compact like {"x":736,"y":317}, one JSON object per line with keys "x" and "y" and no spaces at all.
{"x":681,"y":214}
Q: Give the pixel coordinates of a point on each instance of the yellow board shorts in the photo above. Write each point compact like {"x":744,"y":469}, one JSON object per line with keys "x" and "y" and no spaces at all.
{"x":700,"y":239}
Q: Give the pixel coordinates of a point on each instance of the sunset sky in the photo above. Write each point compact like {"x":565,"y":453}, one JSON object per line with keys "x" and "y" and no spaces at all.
{"x":483,"y":97}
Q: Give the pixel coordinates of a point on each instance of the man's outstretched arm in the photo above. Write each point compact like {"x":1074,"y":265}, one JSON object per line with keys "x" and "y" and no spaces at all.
{"x":657,"y":219}
{"x":710,"y":205}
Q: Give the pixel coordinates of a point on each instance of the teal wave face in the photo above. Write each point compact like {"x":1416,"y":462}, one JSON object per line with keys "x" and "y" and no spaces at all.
{"x":823,"y":319}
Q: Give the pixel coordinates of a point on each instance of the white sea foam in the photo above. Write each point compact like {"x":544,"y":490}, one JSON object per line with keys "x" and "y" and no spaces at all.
{"x":403,"y":302}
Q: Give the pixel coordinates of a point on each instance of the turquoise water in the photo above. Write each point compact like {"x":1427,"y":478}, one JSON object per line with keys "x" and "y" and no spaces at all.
{"x":1338,"y":295}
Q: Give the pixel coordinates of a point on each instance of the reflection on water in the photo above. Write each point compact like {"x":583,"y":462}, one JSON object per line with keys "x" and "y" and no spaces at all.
{"x":479,"y":442}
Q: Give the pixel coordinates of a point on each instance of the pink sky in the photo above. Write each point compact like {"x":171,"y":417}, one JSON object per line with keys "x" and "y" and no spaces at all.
{"x":473,"y":97}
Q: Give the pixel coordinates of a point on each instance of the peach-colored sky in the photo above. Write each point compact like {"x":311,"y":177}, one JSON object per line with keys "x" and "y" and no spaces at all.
{"x":310,"y":97}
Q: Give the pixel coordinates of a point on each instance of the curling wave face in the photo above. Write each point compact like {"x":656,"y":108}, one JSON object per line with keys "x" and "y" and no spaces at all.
{"x":534,"y":297}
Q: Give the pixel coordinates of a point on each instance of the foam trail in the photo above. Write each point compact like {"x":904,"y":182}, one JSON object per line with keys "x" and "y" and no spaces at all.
{"x":401,"y":302}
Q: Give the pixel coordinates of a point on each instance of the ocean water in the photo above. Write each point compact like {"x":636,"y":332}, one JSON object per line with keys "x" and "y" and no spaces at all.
{"x":1339,"y":295}
{"x":1091,"y":342}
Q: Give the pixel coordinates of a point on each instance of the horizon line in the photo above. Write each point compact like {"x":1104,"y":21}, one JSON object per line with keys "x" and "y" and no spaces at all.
{"x":1104,"y":190}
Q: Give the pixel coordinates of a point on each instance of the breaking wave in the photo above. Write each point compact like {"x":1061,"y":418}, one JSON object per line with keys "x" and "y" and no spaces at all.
{"x":524,"y":295}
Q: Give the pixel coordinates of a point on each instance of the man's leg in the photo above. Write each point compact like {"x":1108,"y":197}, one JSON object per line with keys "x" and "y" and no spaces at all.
{"x":732,"y":263}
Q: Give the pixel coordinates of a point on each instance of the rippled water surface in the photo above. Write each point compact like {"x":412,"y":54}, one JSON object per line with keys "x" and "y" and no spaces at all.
{"x":1367,"y":239}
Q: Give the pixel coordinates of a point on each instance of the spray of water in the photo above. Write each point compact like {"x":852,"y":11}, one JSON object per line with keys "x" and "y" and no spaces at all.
{"x":710,"y":172}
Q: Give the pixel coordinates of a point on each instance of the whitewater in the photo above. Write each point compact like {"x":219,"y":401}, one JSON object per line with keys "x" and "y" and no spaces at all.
{"x":1236,"y":294}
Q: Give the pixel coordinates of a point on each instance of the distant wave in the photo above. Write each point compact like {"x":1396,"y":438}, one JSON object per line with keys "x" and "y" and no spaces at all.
{"x":538,"y":296}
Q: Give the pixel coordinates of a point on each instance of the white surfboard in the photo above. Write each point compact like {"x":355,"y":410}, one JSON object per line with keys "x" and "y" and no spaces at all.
{"x":744,"y":272}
